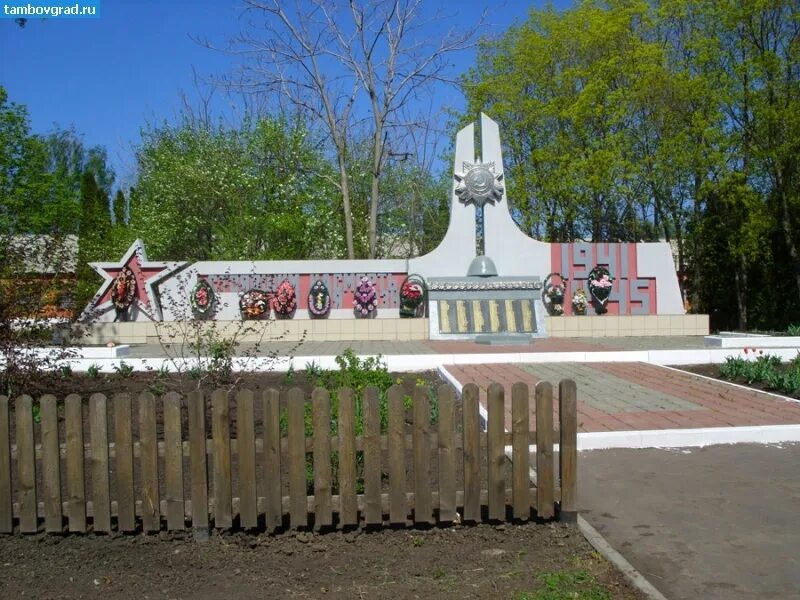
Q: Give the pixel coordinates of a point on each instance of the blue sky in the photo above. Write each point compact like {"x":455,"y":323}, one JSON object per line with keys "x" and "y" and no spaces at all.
{"x":111,"y":76}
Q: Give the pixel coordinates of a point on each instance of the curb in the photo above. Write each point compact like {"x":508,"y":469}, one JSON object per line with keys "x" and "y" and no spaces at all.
{"x":635,"y":578}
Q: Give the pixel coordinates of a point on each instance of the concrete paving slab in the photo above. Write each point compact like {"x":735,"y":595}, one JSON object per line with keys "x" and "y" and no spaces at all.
{"x":719,"y":522}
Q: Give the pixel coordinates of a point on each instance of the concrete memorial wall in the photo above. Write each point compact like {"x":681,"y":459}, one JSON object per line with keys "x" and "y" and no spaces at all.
{"x":487,"y":279}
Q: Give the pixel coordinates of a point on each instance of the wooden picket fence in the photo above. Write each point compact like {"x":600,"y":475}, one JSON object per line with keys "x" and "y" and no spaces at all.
{"x":44,"y":474}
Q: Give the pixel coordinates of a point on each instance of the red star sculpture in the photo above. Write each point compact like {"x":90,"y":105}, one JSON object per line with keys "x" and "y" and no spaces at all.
{"x":147,"y":275}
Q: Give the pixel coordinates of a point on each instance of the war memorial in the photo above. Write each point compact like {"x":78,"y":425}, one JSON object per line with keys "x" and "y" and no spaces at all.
{"x":486,"y":281}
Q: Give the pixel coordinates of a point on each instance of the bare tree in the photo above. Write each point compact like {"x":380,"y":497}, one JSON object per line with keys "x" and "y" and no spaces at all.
{"x":348,"y":66}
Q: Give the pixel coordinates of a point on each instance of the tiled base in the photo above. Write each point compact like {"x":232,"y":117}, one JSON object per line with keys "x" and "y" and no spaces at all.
{"x":626,"y":326}
{"x":323,"y":330}
{"x":315,"y":330}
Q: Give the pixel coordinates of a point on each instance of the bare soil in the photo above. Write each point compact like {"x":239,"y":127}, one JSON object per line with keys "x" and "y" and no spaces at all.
{"x":482,"y":561}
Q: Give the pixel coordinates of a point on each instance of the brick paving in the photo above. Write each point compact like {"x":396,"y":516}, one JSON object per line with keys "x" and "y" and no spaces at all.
{"x":638,"y":396}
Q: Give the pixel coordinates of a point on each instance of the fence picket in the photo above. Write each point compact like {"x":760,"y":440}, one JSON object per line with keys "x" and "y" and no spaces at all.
{"x":173,"y":462}
{"x":472,"y":452}
{"x":398,"y":508}
{"x":148,"y":461}
{"x":568,"y":449}
{"x":544,"y":450}
{"x":298,"y":509}
{"x":123,"y":449}
{"x":520,"y":425}
{"x":6,"y":498}
{"x":321,"y":415}
{"x":198,"y":458}
{"x":221,"y":439}
{"x":373,"y":515}
{"x":496,"y":456}
{"x":51,"y":465}
{"x":423,"y":511}
{"x":101,"y":486}
{"x":26,"y":465}
{"x":76,"y":477}
{"x":348,"y":506}
{"x":246,"y":439}
{"x":447,"y":455}
{"x":272,"y":460}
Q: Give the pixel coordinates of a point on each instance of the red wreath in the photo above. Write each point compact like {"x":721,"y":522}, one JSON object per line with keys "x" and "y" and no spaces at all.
{"x":123,"y":289}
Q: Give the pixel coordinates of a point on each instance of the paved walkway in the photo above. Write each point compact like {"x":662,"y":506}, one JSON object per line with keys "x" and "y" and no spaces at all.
{"x":714,"y":523}
{"x":637,"y":396}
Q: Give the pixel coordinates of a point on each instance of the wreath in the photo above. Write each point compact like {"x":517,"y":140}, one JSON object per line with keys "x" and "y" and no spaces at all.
{"x":254,"y":304}
{"x":319,"y":300}
{"x":202,"y":298}
{"x":284,"y":301}
{"x":123,"y":289}
{"x":553,"y":296}
{"x":365,"y":298}
{"x":412,"y":295}
{"x":600,"y":283}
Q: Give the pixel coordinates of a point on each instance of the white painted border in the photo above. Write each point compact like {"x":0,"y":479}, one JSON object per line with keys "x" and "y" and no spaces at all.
{"x":423,"y":362}
{"x":688,"y":438}
{"x":752,"y":341}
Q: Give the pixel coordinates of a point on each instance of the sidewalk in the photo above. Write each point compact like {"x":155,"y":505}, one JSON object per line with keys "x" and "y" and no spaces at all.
{"x":717,"y":523}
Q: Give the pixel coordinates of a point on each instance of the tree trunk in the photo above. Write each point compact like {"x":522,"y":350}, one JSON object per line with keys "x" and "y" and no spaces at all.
{"x":348,"y":213}
{"x":788,"y":234}
{"x":377,"y":156}
{"x":741,"y":295}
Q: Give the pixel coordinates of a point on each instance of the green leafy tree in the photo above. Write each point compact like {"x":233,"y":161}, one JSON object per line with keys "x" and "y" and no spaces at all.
{"x":95,"y":233}
{"x":261,"y":191}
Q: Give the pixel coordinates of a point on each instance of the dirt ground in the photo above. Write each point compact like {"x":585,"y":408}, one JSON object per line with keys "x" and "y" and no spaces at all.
{"x":483,"y":561}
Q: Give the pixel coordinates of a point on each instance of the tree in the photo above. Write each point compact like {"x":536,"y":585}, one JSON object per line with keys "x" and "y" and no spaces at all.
{"x":353,"y":71}
{"x":561,"y":87}
{"x":94,"y":237}
{"x":34,"y":199}
{"x":259,"y":191}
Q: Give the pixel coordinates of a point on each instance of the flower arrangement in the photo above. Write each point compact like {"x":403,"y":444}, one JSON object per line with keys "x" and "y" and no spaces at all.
{"x":365,"y":298}
{"x":580,"y":301}
{"x":202,"y":298}
{"x":319,"y":300}
{"x":412,"y":295}
{"x":553,"y":296}
{"x":600,"y":283}
{"x":254,"y":304}
{"x":123,"y":289}
{"x":284,"y":302}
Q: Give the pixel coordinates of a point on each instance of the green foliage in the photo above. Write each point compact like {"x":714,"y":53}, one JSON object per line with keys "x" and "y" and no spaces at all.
{"x":567,"y":585}
{"x":676,"y":120}
{"x":358,"y":374}
{"x":767,"y":370}
{"x":93,"y":372}
{"x":123,"y":369}
{"x":220,"y":353}
{"x":734,"y":367}
{"x":37,"y":195}
{"x":265,"y":184}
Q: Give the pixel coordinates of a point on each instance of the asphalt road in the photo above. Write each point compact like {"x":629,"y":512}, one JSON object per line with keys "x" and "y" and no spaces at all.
{"x":717,"y":522}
